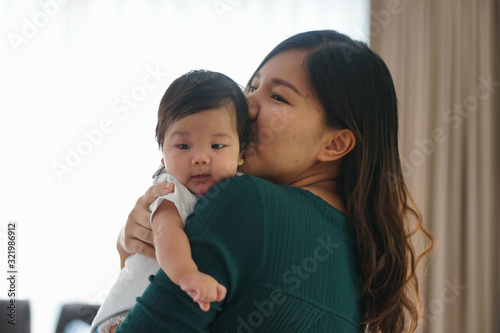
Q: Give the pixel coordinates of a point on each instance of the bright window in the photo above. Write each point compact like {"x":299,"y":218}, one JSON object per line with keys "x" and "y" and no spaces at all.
{"x":81,"y":82}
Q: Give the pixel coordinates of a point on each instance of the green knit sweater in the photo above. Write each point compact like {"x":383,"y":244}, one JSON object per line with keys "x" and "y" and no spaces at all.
{"x":287,"y":258}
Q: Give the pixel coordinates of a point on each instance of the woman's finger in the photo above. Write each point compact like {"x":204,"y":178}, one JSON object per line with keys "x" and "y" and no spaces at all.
{"x":156,"y":191}
{"x":136,"y":236}
{"x":138,"y":216}
{"x":144,"y":234}
{"x":137,"y":227}
{"x":143,"y":248}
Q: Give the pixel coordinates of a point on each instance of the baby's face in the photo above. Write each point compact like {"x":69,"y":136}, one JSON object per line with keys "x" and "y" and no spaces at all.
{"x":203,"y":148}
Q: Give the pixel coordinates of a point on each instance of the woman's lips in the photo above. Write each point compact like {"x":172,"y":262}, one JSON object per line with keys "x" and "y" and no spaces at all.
{"x":251,"y":142}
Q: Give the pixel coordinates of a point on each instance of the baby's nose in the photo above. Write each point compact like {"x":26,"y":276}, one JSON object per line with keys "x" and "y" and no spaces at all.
{"x":201,"y":159}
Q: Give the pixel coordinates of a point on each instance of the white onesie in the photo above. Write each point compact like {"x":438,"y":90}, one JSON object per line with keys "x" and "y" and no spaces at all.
{"x":133,"y":278}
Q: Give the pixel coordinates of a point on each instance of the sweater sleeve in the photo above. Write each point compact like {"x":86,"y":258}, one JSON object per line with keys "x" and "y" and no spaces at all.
{"x":226,"y":234}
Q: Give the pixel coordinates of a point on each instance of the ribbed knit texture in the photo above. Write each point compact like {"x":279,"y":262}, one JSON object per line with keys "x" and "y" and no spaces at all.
{"x":287,"y":258}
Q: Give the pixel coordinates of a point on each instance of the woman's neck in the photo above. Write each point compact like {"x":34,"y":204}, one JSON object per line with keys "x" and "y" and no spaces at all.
{"x":323,"y":191}
{"x":321,"y":180}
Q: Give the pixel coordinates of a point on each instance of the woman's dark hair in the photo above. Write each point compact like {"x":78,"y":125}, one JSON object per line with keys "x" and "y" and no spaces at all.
{"x":356,"y":91}
{"x":197,"y":91}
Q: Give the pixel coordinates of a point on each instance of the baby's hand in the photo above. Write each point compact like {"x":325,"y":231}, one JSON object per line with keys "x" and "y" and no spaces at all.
{"x":202,"y":288}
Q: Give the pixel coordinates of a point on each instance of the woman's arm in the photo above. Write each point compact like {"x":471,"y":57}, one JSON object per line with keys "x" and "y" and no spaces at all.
{"x":226,"y":237}
{"x":136,"y":235}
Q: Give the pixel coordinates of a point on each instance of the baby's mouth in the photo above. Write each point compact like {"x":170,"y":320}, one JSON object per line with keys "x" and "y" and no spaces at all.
{"x":201,"y":177}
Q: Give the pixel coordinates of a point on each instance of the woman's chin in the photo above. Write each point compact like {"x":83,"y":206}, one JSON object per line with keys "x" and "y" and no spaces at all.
{"x":249,"y":157}
{"x":246,"y":167}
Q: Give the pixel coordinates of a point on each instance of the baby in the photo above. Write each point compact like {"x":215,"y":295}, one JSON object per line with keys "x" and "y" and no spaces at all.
{"x":202,"y":128}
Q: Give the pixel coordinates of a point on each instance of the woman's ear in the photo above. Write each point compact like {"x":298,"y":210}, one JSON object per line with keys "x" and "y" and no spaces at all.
{"x":340,"y":143}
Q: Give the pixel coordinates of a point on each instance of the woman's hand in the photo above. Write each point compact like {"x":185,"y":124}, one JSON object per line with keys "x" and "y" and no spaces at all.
{"x":136,"y":235}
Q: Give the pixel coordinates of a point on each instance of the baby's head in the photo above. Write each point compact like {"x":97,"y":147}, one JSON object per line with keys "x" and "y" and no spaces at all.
{"x":202,"y":129}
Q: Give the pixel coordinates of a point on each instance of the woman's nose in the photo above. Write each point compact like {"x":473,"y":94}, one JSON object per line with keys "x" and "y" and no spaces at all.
{"x":253,"y":109}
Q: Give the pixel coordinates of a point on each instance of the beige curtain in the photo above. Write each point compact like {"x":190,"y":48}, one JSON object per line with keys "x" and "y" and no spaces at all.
{"x":444,"y":56}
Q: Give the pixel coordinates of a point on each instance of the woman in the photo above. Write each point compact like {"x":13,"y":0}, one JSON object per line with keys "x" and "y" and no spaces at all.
{"x":320,"y":242}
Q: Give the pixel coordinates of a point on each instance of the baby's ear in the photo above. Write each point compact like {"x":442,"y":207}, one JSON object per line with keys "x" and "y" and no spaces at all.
{"x":339,"y":143}
{"x":240,"y":159}
{"x":162,"y":161}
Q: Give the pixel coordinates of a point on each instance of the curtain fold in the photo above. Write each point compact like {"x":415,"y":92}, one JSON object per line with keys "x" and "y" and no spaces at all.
{"x":443,"y":56}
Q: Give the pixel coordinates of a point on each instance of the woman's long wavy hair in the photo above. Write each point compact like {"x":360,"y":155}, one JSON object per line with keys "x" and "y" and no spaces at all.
{"x":356,"y":90}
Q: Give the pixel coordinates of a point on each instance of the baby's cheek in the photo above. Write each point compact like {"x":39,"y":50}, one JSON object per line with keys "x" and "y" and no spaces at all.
{"x":230,"y":169}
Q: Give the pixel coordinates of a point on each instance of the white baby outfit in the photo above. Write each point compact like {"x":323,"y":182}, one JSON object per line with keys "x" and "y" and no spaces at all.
{"x":133,"y":278}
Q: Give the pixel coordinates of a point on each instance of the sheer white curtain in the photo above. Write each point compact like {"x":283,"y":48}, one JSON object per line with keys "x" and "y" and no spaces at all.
{"x":80,"y":86}
{"x":444,"y":59}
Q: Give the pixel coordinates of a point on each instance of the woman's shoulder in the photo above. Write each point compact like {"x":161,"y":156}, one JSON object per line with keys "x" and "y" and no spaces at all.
{"x":296,"y":196}
{"x":252,"y":190}
{"x":253,"y":182}
{"x":244,"y":185}
{"x":240,"y":193}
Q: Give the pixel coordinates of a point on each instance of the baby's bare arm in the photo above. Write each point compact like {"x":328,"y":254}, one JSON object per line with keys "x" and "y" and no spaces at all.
{"x":171,"y":243}
{"x":173,"y":253}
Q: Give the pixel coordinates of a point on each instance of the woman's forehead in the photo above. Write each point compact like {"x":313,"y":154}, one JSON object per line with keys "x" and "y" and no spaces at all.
{"x":288,"y":63}
{"x":287,"y":68}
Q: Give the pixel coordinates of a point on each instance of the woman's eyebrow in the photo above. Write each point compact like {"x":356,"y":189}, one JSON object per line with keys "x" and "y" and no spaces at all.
{"x":281,"y":82}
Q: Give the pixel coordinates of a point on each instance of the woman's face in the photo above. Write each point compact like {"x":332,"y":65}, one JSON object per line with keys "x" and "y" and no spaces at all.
{"x":286,"y":126}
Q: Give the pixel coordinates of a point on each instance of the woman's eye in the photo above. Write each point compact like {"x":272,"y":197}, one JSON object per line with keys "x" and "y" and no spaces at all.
{"x":183,"y":146}
{"x":217,"y":146}
{"x":251,"y":89}
{"x":278,"y":98}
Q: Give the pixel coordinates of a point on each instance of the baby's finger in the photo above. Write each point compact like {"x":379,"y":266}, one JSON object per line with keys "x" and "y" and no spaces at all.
{"x":221,"y":292}
{"x":193,"y":294}
{"x":204,"y":306}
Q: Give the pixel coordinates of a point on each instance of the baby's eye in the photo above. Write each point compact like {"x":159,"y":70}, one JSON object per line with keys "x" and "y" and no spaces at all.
{"x":183,"y":146}
{"x":217,"y":146}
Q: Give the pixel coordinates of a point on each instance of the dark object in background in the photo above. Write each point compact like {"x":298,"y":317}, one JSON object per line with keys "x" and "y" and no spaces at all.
{"x":70,"y":312}
{"x":18,"y":313}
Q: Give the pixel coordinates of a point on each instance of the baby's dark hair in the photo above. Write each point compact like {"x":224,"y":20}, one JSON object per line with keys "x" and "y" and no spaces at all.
{"x":202,"y":90}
